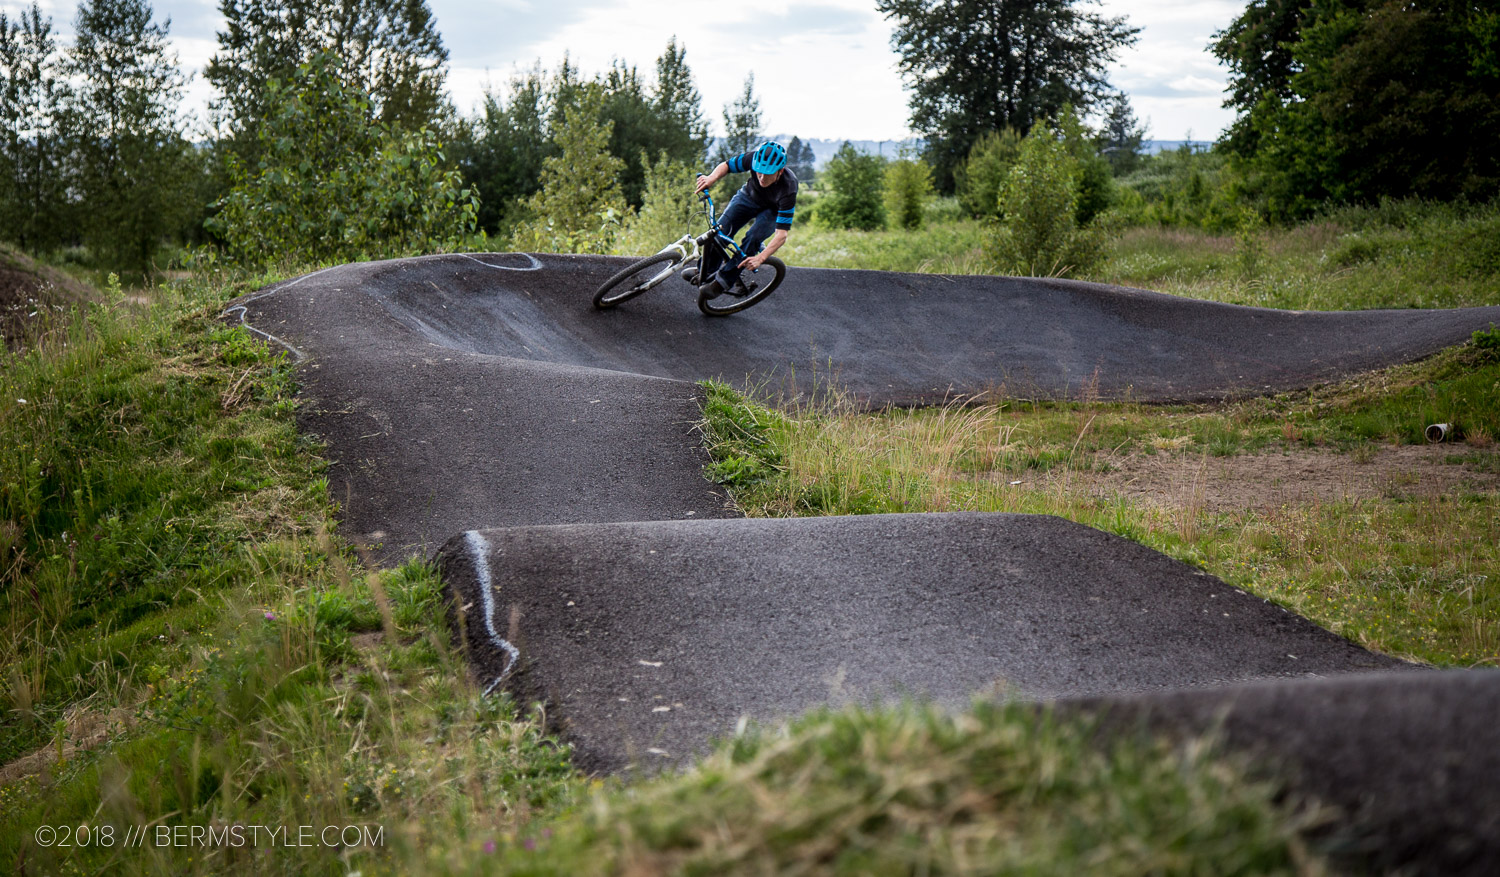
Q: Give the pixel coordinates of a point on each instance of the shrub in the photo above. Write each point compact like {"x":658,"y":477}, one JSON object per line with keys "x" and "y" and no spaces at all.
{"x":667,"y":208}
{"x":1040,"y":235}
{"x":334,"y":185}
{"x":855,"y":184}
{"x":1092,"y":178}
{"x":1184,"y":187}
{"x":580,"y":205}
{"x":980,"y":178}
{"x":908,"y":188}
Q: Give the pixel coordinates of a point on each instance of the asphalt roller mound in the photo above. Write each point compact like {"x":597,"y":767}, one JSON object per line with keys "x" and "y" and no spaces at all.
{"x":649,"y":639}
{"x":479,"y":402}
{"x":889,"y":338}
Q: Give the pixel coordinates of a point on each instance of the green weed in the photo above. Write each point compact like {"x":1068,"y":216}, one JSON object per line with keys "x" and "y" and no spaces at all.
{"x":915,"y":789}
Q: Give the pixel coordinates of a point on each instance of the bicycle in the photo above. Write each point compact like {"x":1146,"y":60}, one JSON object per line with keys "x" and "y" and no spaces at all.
{"x":688,"y":251}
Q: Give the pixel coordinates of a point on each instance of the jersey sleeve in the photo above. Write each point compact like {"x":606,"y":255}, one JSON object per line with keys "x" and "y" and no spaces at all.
{"x":739,"y":164}
{"x":786,"y":209}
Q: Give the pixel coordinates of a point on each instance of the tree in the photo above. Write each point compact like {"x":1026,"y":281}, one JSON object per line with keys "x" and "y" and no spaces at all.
{"x":580,"y":205}
{"x":33,"y":191}
{"x":129,"y":156}
{"x":1093,"y":183}
{"x":635,"y":128}
{"x":500,"y":153}
{"x":1380,"y":99}
{"x":1120,"y":140}
{"x":975,"y":66}
{"x":1257,"y":46}
{"x":1040,"y":235}
{"x":391,"y":47}
{"x":800,"y":158}
{"x":502,"y":149}
{"x":679,"y":108}
{"x":741,"y":123}
{"x":908,"y":188}
{"x":667,"y":208}
{"x":333,"y":184}
{"x":648,"y":122}
{"x":983,"y":174}
{"x":856,"y":186}
{"x":741,"y":134}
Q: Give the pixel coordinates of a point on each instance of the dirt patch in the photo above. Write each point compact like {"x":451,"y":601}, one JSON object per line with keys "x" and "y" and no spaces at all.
{"x":85,"y":729}
{"x":33,"y":297}
{"x":1175,"y":480}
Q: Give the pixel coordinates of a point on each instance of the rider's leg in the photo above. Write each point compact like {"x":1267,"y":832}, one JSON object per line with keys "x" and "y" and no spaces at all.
{"x":760,"y":229}
{"x":740,"y":211}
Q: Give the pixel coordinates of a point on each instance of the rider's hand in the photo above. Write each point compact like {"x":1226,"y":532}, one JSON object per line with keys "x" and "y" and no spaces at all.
{"x":753,"y":262}
{"x":703,"y":183}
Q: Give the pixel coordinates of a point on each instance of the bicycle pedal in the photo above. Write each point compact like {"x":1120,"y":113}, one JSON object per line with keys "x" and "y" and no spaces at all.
{"x":742,"y":289}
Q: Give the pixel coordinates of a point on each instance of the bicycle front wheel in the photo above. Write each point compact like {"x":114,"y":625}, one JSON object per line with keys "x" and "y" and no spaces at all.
{"x":725,"y":304}
{"x":637,"y":278}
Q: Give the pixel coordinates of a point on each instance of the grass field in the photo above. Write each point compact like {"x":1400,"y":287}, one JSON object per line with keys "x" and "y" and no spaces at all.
{"x":188,"y":643}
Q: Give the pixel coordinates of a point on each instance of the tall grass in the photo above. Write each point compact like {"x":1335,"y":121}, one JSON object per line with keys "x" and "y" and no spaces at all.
{"x":186,"y":645}
{"x":916,"y":790}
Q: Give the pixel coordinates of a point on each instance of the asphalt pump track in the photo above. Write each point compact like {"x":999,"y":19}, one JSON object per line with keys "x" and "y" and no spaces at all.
{"x":478,"y":410}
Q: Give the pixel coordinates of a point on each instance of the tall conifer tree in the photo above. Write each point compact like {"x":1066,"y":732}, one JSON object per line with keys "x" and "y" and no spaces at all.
{"x":33,"y":200}
{"x":128,"y":150}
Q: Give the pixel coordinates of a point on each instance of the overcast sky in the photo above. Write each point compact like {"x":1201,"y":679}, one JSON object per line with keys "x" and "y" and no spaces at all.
{"x":823,"y":69}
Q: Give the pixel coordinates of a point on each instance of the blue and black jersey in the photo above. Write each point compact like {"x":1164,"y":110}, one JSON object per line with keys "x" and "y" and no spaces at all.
{"x":780,"y":196}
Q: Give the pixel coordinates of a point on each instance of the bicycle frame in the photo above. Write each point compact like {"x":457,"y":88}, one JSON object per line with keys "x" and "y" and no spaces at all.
{"x":691,"y":247}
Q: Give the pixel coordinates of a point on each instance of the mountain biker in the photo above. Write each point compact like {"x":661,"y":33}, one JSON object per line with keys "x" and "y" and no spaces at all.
{"x":768,"y":199}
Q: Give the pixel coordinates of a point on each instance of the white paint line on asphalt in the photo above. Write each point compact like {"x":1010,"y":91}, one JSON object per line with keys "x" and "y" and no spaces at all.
{"x":479,"y":553}
{"x":535,"y":265}
{"x":244,"y":314}
{"x":286,"y":284}
{"x":296,"y":354}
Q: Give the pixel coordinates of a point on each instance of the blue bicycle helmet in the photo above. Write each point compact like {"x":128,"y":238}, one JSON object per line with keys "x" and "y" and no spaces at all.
{"x":769,"y":158}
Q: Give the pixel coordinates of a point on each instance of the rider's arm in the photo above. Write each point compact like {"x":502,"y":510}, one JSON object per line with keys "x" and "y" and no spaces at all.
{"x":773,"y":244}
{"x":714,"y":176}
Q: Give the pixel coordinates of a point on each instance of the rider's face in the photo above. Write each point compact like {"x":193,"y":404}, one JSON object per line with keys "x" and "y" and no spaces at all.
{"x":767,"y":179}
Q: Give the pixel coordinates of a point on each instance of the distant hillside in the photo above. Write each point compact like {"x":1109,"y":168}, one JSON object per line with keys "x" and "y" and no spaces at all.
{"x":823,"y":150}
{"x":1152,"y":147}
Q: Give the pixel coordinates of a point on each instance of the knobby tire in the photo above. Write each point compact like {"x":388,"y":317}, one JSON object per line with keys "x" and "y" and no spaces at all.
{"x":726,"y":304}
{"x":632,"y":281}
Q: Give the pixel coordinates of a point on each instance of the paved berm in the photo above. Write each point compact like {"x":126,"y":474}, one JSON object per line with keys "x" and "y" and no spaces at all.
{"x":478,"y":409}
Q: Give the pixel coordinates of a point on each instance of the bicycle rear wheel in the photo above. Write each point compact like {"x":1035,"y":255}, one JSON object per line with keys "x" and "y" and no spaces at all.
{"x":726,"y":304}
{"x":637,"y":278}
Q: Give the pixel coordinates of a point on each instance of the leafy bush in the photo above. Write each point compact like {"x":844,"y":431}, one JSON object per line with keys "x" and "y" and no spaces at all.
{"x":980,"y":178}
{"x":1040,"y":235}
{"x":334,"y":185}
{"x":1183,"y":187}
{"x":908,"y":188}
{"x":855,"y":183}
{"x":667,"y":209}
{"x":580,"y":205}
{"x":1093,"y":180}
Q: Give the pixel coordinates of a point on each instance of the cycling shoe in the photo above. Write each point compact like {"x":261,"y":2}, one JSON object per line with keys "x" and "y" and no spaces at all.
{"x":742,"y":289}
